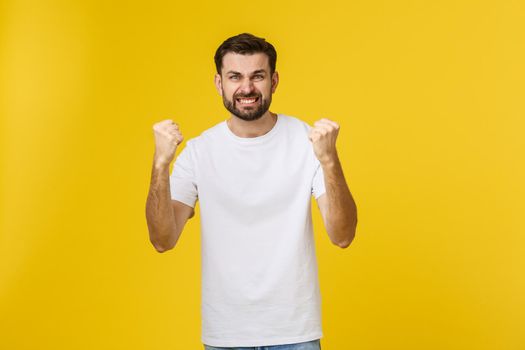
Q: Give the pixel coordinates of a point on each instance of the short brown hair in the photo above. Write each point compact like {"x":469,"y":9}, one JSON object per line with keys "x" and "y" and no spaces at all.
{"x":246,"y":44}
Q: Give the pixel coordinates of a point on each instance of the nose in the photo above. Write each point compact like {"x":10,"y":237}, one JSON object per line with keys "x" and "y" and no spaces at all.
{"x":247,"y":86}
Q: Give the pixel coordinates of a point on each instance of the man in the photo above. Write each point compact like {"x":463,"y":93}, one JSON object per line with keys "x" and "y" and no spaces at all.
{"x":254,"y":175}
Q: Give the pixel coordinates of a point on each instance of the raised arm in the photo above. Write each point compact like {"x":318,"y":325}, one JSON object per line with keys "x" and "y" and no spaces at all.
{"x":165,"y":217}
{"x":337,"y":205}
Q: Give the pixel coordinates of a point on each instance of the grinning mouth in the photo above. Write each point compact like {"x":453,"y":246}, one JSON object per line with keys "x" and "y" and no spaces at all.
{"x":247,"y":100}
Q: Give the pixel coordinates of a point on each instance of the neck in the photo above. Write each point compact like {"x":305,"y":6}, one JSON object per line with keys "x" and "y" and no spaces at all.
{"x":253,"y":128}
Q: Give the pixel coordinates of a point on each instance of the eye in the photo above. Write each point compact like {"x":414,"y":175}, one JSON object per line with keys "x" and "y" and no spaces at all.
{"x":234,"y":77}
{"x":259,"y":76}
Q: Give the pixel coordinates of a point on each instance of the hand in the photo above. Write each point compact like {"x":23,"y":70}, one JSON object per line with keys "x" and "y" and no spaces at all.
{"x":323,"y":136}
{"x":167,"y":138}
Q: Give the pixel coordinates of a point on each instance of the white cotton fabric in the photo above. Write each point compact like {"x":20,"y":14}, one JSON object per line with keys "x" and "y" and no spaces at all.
{"x":260,"y":282}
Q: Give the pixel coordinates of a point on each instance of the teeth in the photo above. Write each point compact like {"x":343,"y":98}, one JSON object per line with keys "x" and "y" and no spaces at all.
{"x":247,"y":101}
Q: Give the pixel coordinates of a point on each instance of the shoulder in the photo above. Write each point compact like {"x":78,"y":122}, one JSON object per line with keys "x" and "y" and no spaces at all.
{"x":205,"y":138}
{"x":294,"y":124}
{"x":298,"y":131}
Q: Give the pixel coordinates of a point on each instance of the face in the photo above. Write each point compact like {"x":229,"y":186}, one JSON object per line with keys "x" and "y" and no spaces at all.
{"x":245,"y":84}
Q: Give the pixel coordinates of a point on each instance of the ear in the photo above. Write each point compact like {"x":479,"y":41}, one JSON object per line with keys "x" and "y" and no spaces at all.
{"x":218,"y":83}
{"x":275,"y":81}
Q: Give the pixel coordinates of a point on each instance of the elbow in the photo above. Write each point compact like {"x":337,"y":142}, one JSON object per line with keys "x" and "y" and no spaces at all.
{"x":343,"y":245}
{"x":346,"y":242}
{"x":160,"y":241}
{"x":343,"y":233}
{"x":162,"y":249}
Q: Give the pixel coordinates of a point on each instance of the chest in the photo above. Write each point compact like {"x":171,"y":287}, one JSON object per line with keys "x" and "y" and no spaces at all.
{"x":254,"y":178}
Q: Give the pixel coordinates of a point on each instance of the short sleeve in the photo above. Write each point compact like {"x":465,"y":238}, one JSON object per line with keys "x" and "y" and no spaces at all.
{"x":318,"y":187}
{"x":183,"y":183}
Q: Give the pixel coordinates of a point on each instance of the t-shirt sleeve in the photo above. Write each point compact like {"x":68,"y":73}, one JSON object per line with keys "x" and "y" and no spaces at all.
{"x":183,"y":183}
{"x":318,"y":186}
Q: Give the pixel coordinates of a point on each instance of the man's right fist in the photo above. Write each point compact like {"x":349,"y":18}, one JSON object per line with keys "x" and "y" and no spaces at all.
{"x":167,"y":138}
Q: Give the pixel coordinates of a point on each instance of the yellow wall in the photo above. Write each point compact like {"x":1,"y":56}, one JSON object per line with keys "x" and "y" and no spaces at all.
{"x":430,"y":99}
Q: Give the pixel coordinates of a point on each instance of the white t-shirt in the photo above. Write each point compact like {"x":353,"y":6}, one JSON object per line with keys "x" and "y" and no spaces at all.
{"x":259,"y":269}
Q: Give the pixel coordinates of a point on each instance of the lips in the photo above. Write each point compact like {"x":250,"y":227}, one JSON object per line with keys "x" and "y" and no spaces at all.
{"x":247,"y":101}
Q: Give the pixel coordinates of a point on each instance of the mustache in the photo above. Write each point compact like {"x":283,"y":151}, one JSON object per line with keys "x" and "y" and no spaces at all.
{"x":246,"y":96}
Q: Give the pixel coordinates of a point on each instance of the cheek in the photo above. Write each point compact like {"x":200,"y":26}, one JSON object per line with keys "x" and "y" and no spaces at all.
{"x":227,"y":87}
{"x":229,"y":93}
{"x":264,"y":88}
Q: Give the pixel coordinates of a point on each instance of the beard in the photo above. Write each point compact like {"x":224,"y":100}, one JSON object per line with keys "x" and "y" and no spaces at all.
{"x":247,"y":113}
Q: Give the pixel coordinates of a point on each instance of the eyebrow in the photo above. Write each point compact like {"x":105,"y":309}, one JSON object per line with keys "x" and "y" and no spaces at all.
{"x":254,"y":72}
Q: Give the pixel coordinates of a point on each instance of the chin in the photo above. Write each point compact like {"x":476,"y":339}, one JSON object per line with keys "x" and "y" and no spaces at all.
{"x":253,"y":114}
{"x":248,"y":118}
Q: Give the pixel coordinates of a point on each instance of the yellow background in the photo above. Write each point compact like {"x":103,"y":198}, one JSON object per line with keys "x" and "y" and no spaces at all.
{"x":430,"y":99}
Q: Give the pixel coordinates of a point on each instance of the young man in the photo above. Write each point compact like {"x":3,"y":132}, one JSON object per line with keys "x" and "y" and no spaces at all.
{"x":254,"y":175}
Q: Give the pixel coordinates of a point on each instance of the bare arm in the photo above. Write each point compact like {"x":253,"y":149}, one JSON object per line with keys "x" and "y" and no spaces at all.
{"x":337,"y":206}
{"x":165,"y":217}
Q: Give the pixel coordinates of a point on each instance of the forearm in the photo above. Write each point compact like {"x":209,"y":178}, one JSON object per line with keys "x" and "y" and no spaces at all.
{"x":341,"y":213}
{"x":159,"y":211}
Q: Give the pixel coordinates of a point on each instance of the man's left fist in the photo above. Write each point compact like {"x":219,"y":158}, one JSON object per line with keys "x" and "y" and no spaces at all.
{"x":323,"y":136}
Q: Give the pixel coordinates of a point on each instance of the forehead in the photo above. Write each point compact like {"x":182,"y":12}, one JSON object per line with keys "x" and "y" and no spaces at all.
{"x":245,"y":64}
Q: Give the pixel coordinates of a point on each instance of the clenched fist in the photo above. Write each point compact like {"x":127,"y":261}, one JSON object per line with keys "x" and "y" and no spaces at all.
{"x":323,"y":137}
{"x":167,"y":138}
